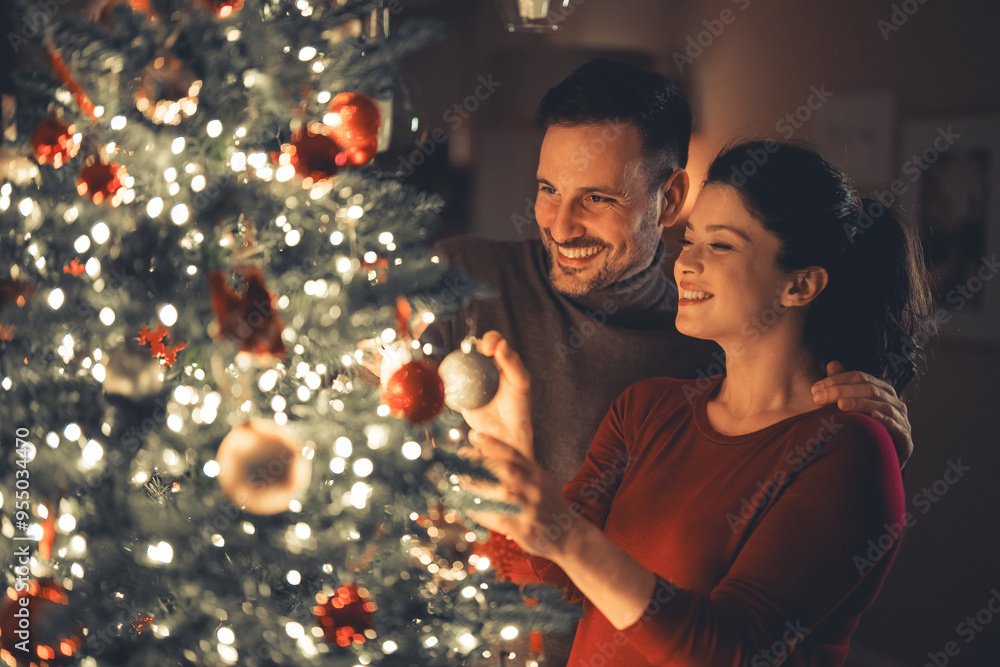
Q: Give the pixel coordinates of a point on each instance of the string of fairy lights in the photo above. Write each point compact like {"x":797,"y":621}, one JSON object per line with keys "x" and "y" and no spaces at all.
{"x":241,"y":387}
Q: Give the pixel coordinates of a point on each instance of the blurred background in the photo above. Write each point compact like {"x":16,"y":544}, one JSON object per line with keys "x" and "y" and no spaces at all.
{"x":902,"y":95}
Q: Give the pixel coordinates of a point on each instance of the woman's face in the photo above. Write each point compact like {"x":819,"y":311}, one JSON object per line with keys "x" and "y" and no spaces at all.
{"x":727,"y":274}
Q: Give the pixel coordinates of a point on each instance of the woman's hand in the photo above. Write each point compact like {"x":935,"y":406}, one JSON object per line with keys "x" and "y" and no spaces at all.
{"x":545,"y":519}
{"x":549,"y":527}
{"x":508,"y":416}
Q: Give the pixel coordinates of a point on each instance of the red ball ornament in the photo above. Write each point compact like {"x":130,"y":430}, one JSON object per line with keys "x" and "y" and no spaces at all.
{"x":353,"y":122}
{"x":102,"y":181}
{"x":261,"y":467}
{"x":345,"y":617}
{"x":315,"y":156}
{"x":415,"y":391}
{"x":55,"y":142}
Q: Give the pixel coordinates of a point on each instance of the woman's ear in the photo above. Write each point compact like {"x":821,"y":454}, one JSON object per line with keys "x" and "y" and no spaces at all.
{"x":805,"y":285}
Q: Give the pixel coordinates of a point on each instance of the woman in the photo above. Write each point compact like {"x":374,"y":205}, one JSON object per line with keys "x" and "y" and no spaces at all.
{"x":734,"y":524}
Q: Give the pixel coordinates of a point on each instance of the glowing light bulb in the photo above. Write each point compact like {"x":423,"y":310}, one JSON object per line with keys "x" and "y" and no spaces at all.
{"x":100,"y":232}
{"x":168,"y":315}
{"x":154,"y":207}
{"x":179,"y":214}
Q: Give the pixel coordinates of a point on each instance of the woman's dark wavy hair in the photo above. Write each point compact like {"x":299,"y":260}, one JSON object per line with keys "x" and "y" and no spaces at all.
{"x":877,"y":303}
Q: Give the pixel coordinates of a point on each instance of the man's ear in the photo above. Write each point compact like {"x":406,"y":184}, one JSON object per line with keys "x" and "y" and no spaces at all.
{"x":674,"y":191}
{"x":805,"y":285}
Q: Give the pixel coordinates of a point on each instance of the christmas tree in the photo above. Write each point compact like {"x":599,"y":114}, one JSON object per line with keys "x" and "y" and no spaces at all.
{"x":196,"y":240}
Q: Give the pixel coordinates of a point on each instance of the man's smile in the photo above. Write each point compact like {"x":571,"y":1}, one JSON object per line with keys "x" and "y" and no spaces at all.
{"x":578,"y":256}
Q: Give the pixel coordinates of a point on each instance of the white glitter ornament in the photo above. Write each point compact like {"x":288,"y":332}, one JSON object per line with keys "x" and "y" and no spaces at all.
{"x":470,"y":379}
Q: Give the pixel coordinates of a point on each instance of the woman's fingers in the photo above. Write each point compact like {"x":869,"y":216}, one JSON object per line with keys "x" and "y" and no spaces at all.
{"x":492,"y":448}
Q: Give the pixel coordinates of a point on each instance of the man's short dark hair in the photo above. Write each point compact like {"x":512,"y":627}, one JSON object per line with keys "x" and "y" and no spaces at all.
{"x":607,"y":91}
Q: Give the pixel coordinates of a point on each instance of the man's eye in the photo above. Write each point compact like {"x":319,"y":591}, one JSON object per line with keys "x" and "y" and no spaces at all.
{"x":598,"y":199}
{"x":547,"y":189}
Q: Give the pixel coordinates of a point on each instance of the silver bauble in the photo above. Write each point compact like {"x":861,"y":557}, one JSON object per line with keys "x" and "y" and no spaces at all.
{"x":470,"y":379}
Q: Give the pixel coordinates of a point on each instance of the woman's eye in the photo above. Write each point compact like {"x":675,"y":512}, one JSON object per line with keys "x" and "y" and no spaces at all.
{"x":684,"y":242}
{"x":721,"y":246}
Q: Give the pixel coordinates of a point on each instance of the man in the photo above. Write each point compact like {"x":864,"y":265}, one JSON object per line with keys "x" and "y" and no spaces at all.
{"x":588,"y":306}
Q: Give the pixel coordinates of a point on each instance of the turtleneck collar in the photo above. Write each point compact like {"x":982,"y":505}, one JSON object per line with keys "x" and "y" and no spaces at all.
{"x":647,"y":300}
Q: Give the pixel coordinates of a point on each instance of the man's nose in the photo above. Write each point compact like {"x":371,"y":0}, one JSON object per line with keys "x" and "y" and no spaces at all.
{"x":566,"y":223}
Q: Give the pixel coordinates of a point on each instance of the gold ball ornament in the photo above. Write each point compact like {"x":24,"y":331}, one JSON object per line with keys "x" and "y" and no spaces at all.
{"x":261,"y":467}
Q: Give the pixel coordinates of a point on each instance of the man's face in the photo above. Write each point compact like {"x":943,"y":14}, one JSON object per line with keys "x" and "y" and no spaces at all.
{"x":599,"y":219}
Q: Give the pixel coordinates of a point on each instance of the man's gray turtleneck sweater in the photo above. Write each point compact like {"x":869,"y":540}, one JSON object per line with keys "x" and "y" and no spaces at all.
{"x":582,"y":352}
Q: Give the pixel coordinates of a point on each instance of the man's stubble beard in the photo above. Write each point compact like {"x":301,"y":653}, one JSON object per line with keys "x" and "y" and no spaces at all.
{"x":606,"y":275}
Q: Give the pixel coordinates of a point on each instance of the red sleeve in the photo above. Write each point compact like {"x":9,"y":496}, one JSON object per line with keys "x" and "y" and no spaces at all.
{"x":798,"y":565}
{"x":591,"y":490}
